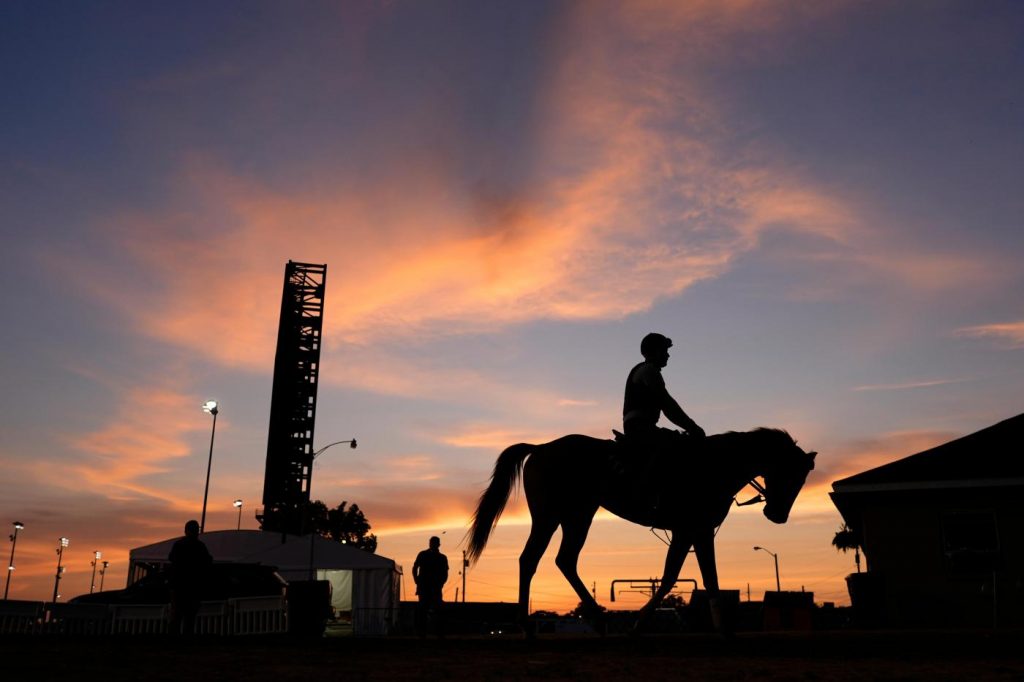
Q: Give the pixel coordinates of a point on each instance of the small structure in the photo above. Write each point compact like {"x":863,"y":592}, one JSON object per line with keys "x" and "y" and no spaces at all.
{"x":362,"y":582}
{"x":942,"y":532}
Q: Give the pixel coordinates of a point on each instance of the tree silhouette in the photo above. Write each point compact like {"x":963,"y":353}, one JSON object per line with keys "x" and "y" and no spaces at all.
{"x":344,"y":524}
{"x":846,"y":539}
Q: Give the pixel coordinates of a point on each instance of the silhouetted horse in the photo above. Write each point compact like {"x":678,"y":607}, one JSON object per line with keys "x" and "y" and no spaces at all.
{"x":568,"y":479}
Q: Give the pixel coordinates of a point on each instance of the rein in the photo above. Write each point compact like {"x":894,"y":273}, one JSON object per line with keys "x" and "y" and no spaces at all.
{"x":760,"y":497}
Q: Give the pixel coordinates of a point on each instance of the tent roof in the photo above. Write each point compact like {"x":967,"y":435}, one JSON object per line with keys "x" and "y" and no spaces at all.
{"x":256,"y":546}
{"x":992,"y":455}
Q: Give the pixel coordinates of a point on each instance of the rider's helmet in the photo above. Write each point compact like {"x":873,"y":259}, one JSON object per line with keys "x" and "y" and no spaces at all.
{"x":654,"y":343}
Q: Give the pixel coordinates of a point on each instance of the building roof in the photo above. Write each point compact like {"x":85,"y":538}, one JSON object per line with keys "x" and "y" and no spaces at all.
{"x":287,"y":553}
{"x":993,"y":456}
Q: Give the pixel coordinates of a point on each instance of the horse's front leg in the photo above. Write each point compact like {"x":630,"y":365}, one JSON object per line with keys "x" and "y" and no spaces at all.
{"x":677,"y":551}
{"x":704,"y":546}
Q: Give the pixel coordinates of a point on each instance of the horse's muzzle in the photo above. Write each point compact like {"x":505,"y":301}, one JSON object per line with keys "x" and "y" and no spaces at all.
{"x":776,"y":515}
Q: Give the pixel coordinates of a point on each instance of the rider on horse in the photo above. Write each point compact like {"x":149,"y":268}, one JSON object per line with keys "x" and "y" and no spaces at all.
{"x":646,"y":398}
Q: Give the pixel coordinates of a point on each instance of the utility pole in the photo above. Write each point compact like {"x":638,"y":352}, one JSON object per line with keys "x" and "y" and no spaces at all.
{"x":465,"y":567}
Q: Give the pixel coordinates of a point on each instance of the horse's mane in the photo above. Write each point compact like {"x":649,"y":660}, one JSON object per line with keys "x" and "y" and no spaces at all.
{"x":765,"y":433}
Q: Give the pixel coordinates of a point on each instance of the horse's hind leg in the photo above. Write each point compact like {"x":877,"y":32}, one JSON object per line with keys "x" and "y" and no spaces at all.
{"x":540,"y":535}
{"x":574,"y":534}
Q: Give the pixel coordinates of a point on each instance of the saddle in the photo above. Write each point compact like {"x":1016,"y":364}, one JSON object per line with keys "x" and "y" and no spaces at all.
{"x":644,"y":476}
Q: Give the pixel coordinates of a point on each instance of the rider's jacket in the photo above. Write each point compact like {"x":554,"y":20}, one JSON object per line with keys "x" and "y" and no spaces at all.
{"x":641,"y":407}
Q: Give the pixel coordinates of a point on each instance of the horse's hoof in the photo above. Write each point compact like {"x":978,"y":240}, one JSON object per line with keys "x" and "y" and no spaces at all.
{"x":529,"y":629}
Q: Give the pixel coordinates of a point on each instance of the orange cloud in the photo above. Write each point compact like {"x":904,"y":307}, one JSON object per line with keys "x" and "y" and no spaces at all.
{"x":635,"y":198}
{"x":144,"y":435}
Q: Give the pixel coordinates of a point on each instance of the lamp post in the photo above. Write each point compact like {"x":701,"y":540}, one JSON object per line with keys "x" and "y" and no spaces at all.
{"x":351,"y":443}
{"x":312,"y":533}
{"x":209,"y":406}
{"x":18,"y":525}
{"x":238,"y":503}
{"x":96,"y":556}
{"x":775,"y":556}
{"x":64,"y":542}
{"x":103,"y":572}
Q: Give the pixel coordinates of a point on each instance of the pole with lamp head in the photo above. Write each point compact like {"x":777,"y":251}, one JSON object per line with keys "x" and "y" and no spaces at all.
{"x":210,"y":406}
{"x":238,"y":503}
{"x":778,"y":587}
{"x":18,"y":525}
{"x":63,"y":544}
{"x":103,"y":572}
{"x":97,"y":555}
{"x":312,"y":532}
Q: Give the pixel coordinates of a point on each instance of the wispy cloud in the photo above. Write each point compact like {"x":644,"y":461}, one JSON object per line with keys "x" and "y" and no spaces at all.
{"x":492,"y":438}
{"x":906,"y":385}
{"x":1006,"y":334}
{"x":569,"y":402}
{"x":143,"y":437}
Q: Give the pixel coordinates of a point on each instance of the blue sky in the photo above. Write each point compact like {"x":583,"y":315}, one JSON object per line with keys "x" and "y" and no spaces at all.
{"x":819,"y":203}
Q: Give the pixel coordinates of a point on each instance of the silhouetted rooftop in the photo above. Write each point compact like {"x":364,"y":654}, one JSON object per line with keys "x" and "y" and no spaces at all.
{"x":988,"y":456}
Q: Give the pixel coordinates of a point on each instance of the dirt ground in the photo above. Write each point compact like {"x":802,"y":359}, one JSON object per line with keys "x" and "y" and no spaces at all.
{"x":860,"y":656}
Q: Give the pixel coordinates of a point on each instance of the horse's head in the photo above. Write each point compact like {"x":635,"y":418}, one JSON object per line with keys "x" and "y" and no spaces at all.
{"x":784,"y":477}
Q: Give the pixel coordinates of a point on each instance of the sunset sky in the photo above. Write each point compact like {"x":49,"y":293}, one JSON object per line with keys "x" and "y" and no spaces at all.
{"x":820,"y":202}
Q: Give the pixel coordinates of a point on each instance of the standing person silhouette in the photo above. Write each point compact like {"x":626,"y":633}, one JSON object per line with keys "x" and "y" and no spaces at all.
{"x":190,"y":560}
{"x":430,"y":572}
{"x":646,"y":398}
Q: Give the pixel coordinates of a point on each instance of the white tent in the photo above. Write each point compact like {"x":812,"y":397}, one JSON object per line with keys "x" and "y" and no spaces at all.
{"x":360,"y":580}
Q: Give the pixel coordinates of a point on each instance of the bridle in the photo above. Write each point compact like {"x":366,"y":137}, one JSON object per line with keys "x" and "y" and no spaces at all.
{"x":761,"y":496}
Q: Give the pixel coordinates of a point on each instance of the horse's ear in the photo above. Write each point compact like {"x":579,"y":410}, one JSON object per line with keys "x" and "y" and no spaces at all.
{"x":812,"y":455}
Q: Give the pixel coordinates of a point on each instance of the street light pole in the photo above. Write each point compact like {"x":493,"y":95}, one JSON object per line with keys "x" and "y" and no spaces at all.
{"x":312,"y":532}
{"x":238,"y":503}
{"x":209,"y":406}
{"x":103,"y":572}
{"x":778,"y":587}
{"x":18,"y":525}
{"x":352,"y":444}
{"x":95,"y":560}
{"x":64,"y":542}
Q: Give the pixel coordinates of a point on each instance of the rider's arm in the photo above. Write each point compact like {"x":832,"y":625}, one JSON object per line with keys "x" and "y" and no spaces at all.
{"x":675,"y":414}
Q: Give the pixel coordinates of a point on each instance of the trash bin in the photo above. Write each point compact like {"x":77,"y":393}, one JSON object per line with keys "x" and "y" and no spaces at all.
{"x":309,"y":607}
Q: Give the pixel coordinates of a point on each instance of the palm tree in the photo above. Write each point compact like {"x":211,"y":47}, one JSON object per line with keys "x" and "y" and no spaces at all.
{"x":846,"y":539}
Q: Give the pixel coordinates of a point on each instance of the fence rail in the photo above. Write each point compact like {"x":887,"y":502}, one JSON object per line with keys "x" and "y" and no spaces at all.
{"x":242,"y":616}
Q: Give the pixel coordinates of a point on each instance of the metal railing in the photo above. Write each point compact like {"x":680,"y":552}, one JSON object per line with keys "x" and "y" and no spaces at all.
{"x":242,"y":616}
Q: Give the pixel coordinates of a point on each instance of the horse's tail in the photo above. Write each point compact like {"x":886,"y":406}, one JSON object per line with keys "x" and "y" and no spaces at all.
{"x":507,"y":471}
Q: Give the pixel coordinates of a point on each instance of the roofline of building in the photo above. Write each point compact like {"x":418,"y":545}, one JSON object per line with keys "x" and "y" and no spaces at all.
{"x":844,"y":488}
